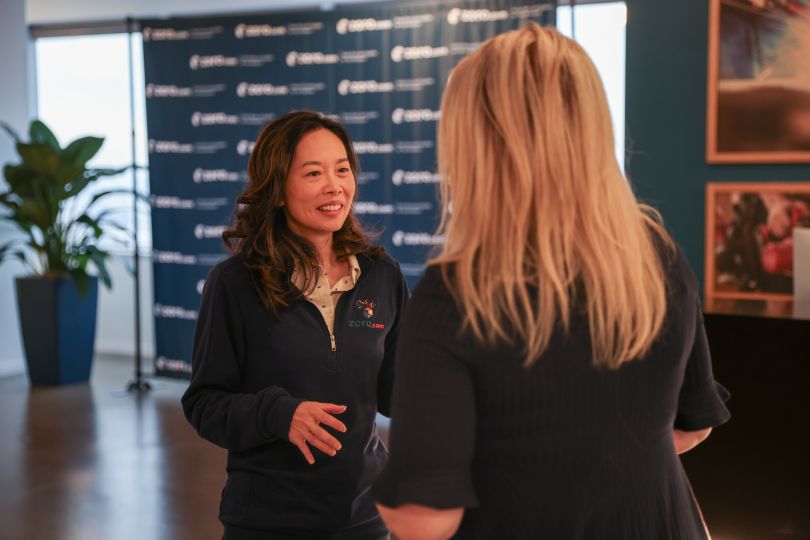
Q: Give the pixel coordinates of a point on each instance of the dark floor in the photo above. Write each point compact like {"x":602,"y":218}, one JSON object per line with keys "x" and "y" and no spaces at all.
{"x":90,"y":461}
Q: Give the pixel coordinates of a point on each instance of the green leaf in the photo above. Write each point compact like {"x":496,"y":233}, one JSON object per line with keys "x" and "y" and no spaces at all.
{"x":102,"y":194}
{"x":107,"y":172}
{"x":82,"y":150}
{"x":37,"y":201}
{"x":81,"y":280}
{"x":81,"y":260}
{"x":36,"y":213}
{"x":99,"y":259}
{"x":8,"y":129}
{"x":41,"y":134}
{"x":7,"y":201}
{"x":87,"y":220}
{"x":18,"y":177}
{"x":4,"y":248}
{"x":39,"y":158}
{"x":76,"y":187}
{"x":67,"y":173}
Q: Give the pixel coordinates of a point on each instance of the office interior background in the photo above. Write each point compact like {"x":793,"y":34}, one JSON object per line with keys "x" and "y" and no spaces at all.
{"x":68,"y":64}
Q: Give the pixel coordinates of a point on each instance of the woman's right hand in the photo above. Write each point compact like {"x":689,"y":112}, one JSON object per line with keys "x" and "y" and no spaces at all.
{"x":305,"y":428}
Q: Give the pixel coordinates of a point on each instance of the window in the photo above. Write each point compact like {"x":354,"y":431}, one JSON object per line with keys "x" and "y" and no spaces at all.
{"x":600,"y":29}
{"x":83,"y":88}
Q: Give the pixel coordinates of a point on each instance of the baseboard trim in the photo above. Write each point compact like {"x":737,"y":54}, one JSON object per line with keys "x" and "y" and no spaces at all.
{"x":12,"y":366}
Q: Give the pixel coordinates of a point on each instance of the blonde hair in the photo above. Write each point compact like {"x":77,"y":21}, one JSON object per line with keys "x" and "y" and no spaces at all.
{"x":543,"y":220}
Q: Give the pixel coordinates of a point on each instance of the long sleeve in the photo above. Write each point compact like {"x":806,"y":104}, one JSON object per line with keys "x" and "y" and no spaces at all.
{"x":701,"y":399}
{"x":214,"y":403}
{"x":433,"y":422}
{"x":385,"y":379}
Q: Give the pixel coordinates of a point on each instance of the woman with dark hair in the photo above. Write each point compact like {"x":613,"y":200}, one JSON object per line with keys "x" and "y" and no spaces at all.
{"x":293,"y":352}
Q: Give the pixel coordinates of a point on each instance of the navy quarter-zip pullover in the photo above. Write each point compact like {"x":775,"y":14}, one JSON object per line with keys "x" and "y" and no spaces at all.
{"x":251,"y":370}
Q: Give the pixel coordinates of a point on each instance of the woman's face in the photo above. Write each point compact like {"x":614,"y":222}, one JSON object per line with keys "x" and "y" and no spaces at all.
{"x":320,"y":186}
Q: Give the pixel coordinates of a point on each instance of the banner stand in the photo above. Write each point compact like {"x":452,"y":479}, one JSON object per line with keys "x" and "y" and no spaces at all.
{"x":138,"y":384}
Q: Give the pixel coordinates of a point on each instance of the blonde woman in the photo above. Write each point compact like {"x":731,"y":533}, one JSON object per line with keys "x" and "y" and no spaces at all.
{"x":552,"y":363}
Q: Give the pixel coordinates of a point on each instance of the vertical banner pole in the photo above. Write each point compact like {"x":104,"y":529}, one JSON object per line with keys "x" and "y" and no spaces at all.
{"x":137,"y":384}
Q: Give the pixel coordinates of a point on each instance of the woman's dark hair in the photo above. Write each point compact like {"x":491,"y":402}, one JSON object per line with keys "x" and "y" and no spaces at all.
{"x":260,"y":231}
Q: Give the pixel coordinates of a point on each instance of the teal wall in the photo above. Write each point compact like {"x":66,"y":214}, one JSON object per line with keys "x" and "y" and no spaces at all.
{"x":666,"y":119}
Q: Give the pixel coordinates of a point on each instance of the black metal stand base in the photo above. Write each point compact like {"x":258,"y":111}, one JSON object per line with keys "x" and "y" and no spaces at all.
{"x":139,"y":386}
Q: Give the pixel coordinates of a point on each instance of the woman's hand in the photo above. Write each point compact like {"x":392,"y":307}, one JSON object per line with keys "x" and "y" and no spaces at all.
{"x":686,"y":440}
{"x":305,"y":428}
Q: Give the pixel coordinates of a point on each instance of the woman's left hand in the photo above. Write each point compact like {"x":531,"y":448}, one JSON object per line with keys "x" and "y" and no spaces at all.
{"x":305,"y":428}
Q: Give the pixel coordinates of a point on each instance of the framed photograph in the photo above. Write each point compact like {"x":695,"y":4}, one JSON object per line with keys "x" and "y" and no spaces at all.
{"x":758,"y":95}
{"x":749,"y":238}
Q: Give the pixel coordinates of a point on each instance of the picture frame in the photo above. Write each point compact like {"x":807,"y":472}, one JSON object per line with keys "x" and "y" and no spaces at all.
{"x":749,"y":238}
{"x":758,"y":91}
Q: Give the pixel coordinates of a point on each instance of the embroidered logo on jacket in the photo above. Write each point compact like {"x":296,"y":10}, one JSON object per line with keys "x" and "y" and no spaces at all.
{"x":366,"y":308}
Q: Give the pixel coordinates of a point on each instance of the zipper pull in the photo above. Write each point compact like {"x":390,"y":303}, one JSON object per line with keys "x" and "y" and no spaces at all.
{"x":332,"y":339}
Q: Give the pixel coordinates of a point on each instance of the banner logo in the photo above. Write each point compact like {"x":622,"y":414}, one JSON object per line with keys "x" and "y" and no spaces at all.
{"x":172,"y":257}
{"x":456,"y":15}
{"x":528,"y":11}
{"x":400,"y":53}
{"x":168,"y":90}
{"x":415,"y":177}
{"x":174,"y":312}
{"x":170,"y":147}
{"x":165,"y":34}
{"x":212,"y":61}
{"x":208,"y":231}
{"x":402,"y":238}
{"x":367,"y":207}
{"x":399,"y":115}
{"x":213,"y":119}
{"x":358,"y":57}
{"x":242,"y":31}
{"x":414,"y":85}
{"x":295,"y":58}
{"x":372,"y":147}
{"x":172,"y":364}
{"x":346,"y":87}
{"x":413,"y":21}
{"x":244,"y":147}
{"x":357,"y":117}
{"x":214,"y":175}
{"x":345,"y":26}
{"x":305,"y":28}
{"x":166,"y":201}
{"x":244,"y":89}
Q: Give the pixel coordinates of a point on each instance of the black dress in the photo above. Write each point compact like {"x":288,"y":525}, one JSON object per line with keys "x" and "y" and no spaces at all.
{"x":558,"y":450}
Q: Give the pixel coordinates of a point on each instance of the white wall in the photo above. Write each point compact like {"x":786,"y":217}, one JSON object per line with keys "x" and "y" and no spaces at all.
{"x":14,"y":110}
{"x":115,"y":327}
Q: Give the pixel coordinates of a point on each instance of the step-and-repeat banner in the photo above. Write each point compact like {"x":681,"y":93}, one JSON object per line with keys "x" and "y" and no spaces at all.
{"x":211,"y":83}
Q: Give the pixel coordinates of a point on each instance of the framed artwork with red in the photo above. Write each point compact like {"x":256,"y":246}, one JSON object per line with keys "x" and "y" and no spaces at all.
{"x":749,"y":238}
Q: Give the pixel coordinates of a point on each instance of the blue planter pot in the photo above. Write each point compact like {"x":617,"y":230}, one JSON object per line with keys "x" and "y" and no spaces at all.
{"x":58,"y":329}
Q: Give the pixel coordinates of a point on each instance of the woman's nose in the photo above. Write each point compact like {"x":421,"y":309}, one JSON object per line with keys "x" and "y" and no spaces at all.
{"x":332,"y":183}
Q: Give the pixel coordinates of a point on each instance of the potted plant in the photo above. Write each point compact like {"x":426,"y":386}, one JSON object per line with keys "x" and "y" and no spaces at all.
{"x":59,"y":247}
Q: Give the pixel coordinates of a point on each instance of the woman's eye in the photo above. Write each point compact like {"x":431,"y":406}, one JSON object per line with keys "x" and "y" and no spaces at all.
{"x":343,"y":170}
{"x":313,"y":173}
